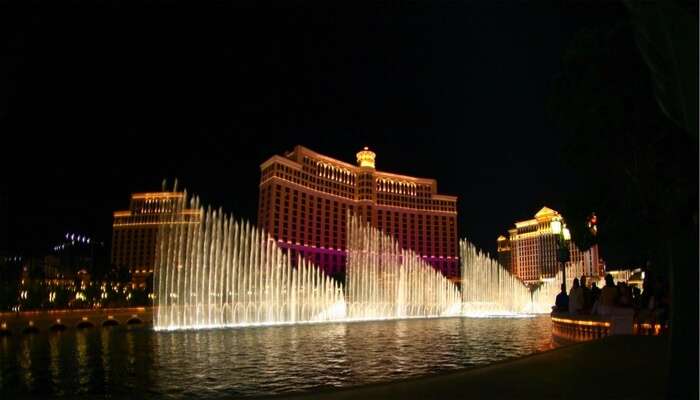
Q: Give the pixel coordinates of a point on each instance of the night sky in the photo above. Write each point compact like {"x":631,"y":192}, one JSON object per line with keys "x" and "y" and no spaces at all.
{"x":98,"y":101}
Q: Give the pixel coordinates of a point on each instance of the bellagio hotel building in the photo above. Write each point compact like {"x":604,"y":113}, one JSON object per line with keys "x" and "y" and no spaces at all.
{"x":305,"y":198}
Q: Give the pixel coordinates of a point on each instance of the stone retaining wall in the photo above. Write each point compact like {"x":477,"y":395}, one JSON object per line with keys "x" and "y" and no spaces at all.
{"x":58,"y":320}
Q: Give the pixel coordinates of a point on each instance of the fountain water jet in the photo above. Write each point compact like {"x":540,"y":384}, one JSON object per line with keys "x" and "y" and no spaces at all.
{"x":488,"y":289}
{"x":384,"y":281}
{"x":222,"y":272}
{"x":214,"y":271}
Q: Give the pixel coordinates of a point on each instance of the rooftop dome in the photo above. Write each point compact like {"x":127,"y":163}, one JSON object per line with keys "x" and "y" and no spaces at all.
{"x":365,"y":157}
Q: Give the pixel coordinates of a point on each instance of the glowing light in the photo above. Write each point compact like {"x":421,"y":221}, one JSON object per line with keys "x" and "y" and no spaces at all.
{"x":567,"y":233}
{"x":556,"y":226}
{"x":157,"y":195}
{"x":365,"y":158}
{"x":581,"y":322}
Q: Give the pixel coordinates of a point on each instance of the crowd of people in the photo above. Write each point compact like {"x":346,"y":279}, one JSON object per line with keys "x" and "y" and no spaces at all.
{"x":651,"y":304}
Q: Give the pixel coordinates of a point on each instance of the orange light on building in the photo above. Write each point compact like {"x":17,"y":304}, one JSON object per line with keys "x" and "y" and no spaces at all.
{"x":581,"y":322}
{"x":365,"y":158}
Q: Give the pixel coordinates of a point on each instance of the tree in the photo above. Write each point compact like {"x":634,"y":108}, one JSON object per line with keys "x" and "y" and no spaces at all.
{"x":631,"y":144}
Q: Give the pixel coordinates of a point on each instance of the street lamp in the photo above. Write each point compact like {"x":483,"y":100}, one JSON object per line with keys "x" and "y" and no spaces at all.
{"x":566,"y":233}
{"x":563,"y":236}
{"x":556,"y":226}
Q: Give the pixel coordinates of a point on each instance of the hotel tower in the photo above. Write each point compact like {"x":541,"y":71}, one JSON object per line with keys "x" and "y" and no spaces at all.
{"x":134,"y":231}
{"x":530,"y":250}
{"x":305,"y":198}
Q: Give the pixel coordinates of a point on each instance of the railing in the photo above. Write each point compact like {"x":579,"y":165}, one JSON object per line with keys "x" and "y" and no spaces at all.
{"x":649,"y":328}
{"x":579,"y":328}
{"x":567,"y":328}
{"x":58,"y":320}
{"x":32,"y":313}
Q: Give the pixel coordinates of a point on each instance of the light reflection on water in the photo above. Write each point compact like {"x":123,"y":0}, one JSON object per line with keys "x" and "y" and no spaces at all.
{"x":256,"y":361}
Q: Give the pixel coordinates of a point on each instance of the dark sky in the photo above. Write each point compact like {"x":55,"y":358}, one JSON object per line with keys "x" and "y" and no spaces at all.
{"x":98,"y":101}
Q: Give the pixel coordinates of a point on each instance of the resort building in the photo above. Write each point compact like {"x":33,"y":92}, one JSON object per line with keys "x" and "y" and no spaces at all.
{"x":134,"y":231}
{"x":305,"y":198}
{"x":530,"y":250}
{"x":504,"y":253}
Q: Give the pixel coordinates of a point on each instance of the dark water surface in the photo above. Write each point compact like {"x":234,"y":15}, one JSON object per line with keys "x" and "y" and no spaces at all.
{"x":223,"y":363}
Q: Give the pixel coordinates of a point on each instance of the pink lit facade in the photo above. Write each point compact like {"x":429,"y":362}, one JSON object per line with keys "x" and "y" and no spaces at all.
{"x":305,"y":197}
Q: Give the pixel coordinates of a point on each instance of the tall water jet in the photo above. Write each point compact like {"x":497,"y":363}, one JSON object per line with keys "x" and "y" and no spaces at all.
{"x":384,"y":281}
{"x":223,"y":272}
{"x":488,"y":288}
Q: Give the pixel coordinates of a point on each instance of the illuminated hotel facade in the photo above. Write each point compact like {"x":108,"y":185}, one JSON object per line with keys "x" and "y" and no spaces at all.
{"x":305,"y":198}
{"x":134,"y":231}
{"x":530,"y":250}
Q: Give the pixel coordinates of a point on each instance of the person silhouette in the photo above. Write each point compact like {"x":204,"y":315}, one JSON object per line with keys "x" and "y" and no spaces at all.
{"x":562,"y":301}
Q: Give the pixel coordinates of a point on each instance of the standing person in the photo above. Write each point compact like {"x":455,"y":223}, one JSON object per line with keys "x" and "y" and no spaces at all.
{"x":575,"y":298}
{"x":624,"y":294}
{"x":587,"y":295}
{"x":595,"y":292}
{"x":562,"y":301}
{"x":608,"y":296}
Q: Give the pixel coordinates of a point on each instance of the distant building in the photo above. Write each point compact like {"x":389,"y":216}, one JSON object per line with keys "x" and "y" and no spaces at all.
{"x":134,"y":231}
{"x":532,"y":249}
{"x":633,"y":276}
{"x":305,"y":197}
{"x":504,"y":254}
{"x":75,"y":252}
{"x":10,"y":267}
